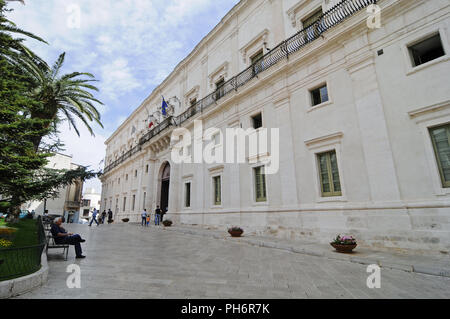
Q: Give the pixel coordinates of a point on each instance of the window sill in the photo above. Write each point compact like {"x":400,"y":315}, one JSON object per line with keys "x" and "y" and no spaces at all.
{"x":318,"y":106}
{"x":332,"y":199}
{"x":412,"y":70}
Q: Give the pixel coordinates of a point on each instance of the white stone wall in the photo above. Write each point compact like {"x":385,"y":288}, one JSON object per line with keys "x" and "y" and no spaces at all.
{"x":376,"y":119}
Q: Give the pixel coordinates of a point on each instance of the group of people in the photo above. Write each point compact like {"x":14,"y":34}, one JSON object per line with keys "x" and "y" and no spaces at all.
{"x":146,"y":217}
{"x":102,"y":218}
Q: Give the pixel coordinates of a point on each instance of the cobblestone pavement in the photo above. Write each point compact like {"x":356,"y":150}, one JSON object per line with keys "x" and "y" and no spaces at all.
{"x":129,"y":261}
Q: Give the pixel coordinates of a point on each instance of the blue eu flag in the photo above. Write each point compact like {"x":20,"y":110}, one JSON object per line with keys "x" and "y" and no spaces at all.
{"x":164,"y":107}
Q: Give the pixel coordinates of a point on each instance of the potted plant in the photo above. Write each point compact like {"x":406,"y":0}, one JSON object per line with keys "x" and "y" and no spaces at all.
{"x":167,"y":223}
{"x":235,"y":231}
{"x":344,"y":244}
{"x":126,"y":220}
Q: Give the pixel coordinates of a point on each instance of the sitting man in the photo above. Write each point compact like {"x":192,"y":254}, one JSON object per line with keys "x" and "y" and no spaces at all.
{"x":62,"y":237}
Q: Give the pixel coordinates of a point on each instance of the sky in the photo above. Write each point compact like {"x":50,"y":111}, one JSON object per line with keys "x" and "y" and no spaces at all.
{"x":130,"y":46}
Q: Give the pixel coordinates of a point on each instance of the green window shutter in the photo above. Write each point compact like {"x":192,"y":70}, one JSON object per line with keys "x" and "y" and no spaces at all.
{"x":260,"y":184}
{"x":329,"y":174}
{"x":217,"y":191}
{"x":441,"y":143}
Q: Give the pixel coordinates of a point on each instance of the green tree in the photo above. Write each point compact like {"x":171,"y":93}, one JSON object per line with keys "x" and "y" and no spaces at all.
{"x":65,"y":96}
{"x":23,"y":175}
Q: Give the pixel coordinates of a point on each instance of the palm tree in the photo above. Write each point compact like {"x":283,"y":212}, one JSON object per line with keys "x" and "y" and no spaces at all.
{"x":63,"y":96}
{"x":13,"y":49}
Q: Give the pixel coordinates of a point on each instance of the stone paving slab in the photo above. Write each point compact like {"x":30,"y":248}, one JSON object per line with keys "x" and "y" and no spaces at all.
{"x":129,"y":261}
{"x":419,"y":263}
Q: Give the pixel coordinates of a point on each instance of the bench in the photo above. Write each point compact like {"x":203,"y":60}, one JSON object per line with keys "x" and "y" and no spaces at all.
{"x":51,"y":244}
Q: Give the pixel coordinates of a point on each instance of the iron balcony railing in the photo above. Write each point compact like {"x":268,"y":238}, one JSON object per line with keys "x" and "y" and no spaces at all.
{"x":326,"y":21}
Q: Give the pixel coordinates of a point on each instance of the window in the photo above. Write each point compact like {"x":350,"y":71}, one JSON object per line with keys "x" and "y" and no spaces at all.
{"x":219,"y":88}
{"x":319,"y":95}
{"x":187,"y":199}
{"x":86,"y":213}
{"x":329,"y":174}
{"x":193,"y":101}
{"x":312,"y":29}
{"x":217,"y":190}
{"x":118,"y":182}
{"x":257,"y":121}
{"x":133,"y":203}
{"x":256,"y":57}
{"x":260,"y":184}
{"x":426,"y":50}
{"x":440,"y":137}
{"x":135,"y":173}
{"x":216,"y":139}
{"x":146,"y":168}
{"x":124,"y":203}
{"x":126,"y":177}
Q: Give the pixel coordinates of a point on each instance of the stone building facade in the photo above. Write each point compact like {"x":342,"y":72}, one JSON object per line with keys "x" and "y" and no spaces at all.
{"x":363,"y":114}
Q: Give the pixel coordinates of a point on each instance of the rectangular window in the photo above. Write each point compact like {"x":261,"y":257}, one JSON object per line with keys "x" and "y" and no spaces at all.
{"x":311,"y":19}
{"x":219,"y":88}
{"x":319,"y":95}
{"x":441,"y":142}
{"x":329,"y":174}
{"x":257,"y":121}
{"x":124,"y":203}
{"x":257,"y":62}
{"x":193,"y":101}
{"x":426,"y":50}
{"x":260,"y":184}
{"x":135,"y":173}
{"x":217,"y":191}
{"x":255,"y":58}
{"x":146,"y":168}
{"x":134,"y":202}
{"x":187,"y":200}
{"x":312,"y":26}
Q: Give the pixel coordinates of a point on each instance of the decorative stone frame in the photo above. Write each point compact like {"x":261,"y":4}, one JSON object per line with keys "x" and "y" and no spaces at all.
{"x":191,"y":94}
{"x":331,"y":142}
{"x":253,"y":46}
{"x":217,"y":74}
{"x":186,"y":179}
{"x":214,"y":172}
{"x":309,"y":106}
{"x":418,"y":37}
{"x":302,"y":9}
{"x":425,"y":118}
{"x":253,"y":185}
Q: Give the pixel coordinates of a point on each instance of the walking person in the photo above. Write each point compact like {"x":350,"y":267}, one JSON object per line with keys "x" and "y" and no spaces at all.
{"x":103,"y":216}
{"x":110,"y":216}
{"x":94,"y":217}
{"x":144,"y":218}
{"x":163,"y":212}
{"x":157,"y":215}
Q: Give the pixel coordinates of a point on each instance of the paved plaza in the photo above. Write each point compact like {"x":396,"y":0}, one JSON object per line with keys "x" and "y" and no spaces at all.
{"x":129,"y":261}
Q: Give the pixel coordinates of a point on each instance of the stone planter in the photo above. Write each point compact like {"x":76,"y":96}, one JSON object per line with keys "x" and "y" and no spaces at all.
{"x":343,"y":248}
{"x":235,"y":233}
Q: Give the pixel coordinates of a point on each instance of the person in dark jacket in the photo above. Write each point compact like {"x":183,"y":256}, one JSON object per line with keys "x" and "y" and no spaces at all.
{"x":157,"y":215}
{"x":110,"y":216}
{"x":61,"y":236}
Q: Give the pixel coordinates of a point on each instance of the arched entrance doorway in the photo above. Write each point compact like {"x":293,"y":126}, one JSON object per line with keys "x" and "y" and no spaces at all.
{"x":165,"y":182}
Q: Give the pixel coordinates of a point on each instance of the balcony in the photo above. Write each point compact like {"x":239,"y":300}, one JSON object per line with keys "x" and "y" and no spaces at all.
{"x":328,"y":20}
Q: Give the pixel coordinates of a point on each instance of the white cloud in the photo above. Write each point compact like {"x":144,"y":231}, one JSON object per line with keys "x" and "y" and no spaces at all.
{"x":129,"y":45}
